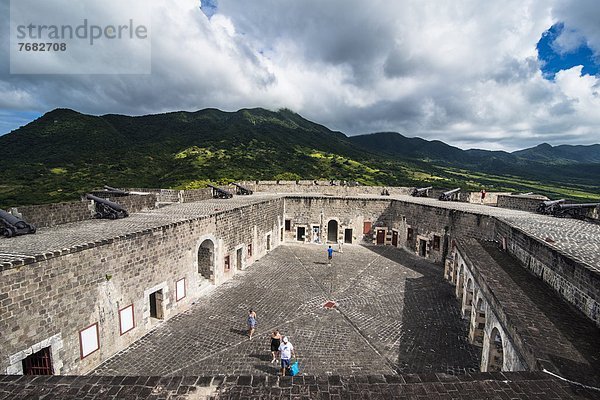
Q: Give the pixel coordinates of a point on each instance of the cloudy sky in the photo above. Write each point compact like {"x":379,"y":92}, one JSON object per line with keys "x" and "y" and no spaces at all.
{"x":503,"y":74}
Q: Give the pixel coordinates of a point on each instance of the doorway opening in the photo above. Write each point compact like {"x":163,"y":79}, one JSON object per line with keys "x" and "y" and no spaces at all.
{"x":239,"y":258}
{"x":395,"y":238}
{"x":316,"y":234}
{"x":332,"y":231}
{"x":380,"y":236}
{"x":156,"y":305}
{"x":301,"y":233}
{"x":422,"y":248}
{"x":348,"y":236}
{"x":269,"y":242}
{"x":206,"y":259}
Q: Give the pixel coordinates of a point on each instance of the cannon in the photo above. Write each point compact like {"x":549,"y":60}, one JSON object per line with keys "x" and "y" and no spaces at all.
{"x":106,"y":209}
{"x":549,"y":207}
{"x":558,"y":208}
{"x":114,"y":191}
{"x":13,"y":226}
{"x":219,"y":193}
{"x":421,"y":192}
{"x":242,"y":191}
{"x":450,"y":195}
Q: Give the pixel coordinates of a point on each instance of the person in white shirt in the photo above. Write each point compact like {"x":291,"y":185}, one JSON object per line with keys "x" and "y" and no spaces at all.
{"x":286,"y":350}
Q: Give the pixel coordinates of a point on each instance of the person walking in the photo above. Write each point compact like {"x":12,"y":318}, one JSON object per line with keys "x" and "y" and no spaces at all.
{"x":286,"y":351}
{"x":275,"y":343}
{"x":251,"y":323}
{"x":329,"y":254}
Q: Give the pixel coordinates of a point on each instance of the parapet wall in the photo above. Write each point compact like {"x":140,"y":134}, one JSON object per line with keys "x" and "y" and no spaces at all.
{"x":575,"y":282}
{"x":309,"y":187}
{"x":523,"y":203}
{"x":176,"y":196}
{"x":47,"y":215}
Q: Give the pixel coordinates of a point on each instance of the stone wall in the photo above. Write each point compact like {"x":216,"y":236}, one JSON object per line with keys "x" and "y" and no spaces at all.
{"x":490,"y":199}
{"x":428,"y":222}
{"x":520,"y":202}
{"x":346,"y":213}
{"x":47,"y":215}
{"x":421,"y":229}
{"x":321,"y":188}
{"x":50,"y":301}
{"x":180,"y":196}
{"x":575,"y":282}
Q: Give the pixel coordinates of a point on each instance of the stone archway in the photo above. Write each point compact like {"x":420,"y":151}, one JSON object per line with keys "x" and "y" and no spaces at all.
{"x":496,"y":352}
{"x":477,"y":327}
{"x":206,"y":259}
{"x":332,"y":231}
{"x":467,"y":302}
{"x":460,"y":281}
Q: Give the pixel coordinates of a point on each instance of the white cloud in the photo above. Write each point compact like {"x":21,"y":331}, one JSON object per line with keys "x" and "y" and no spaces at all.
{"x":464,"y":72}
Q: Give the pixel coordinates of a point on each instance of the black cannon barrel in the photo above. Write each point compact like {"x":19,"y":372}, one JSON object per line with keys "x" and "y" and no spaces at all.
{"x":11,"y":225}
{"x":421,"y":192}
{"x":113,"y":190}
{"x":219,"y":193}
{"x":106,"y":208}
{"x":447,"y":196}
{"x":549,"y":206}
{"x":241,"y":190}
{"x":582,"y":205}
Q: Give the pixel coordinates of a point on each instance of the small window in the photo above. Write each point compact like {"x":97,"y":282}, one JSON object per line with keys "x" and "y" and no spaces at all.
{"x":409,"y":234}
{"x":288,"y":224}
{"x":367,"y":227}
{"x":227,"y":263}
{"x":126,"y":319}
{"x":436,"y":242}
{"x":89,"y":341}
{"x":250,"y":250}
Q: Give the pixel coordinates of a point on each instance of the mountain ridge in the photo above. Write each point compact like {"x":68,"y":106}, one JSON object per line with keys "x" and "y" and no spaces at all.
{"x":64,"y":153}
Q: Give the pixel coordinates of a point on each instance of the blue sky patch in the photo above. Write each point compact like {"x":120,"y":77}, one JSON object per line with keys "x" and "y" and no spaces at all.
{"x":209,"y":7}
{"x":553,"y":60}
{"x":11,"y":120}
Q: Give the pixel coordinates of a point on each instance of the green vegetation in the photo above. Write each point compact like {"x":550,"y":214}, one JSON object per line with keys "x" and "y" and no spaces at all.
{"x":64,"y":154}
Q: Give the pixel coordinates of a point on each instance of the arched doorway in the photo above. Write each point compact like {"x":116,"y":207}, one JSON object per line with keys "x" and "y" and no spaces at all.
{"x":496,"y":353}
{"x":206,"y":259}
{"x":332,"y":231}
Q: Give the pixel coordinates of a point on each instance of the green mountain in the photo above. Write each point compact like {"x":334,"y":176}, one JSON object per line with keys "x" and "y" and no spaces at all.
{"x":65,"y":153}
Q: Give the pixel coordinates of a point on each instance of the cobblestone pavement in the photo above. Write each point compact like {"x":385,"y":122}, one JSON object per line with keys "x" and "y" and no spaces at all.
{"x":484,"y":386}
{"x":394,"y":314}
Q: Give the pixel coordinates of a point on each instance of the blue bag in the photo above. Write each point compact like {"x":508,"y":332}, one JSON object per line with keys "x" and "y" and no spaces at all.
{"x":294,"y":369}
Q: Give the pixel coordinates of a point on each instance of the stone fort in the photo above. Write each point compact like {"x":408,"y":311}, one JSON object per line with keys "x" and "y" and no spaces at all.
{"x":478,"y":298}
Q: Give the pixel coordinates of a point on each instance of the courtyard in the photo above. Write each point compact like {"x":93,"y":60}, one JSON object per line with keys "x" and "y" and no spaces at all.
{"x":394,"y":313}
